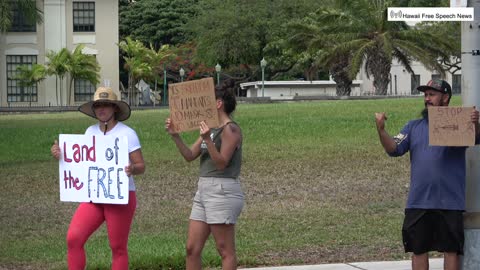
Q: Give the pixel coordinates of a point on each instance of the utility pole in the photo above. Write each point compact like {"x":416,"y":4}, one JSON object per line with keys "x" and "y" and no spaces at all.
{"x":471,"y":97}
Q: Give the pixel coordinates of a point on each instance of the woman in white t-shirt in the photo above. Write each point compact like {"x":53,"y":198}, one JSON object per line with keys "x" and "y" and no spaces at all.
{"x":109,"y":111}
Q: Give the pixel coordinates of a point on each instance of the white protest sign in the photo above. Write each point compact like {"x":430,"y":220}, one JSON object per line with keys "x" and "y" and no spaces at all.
{"x":92,"y":169}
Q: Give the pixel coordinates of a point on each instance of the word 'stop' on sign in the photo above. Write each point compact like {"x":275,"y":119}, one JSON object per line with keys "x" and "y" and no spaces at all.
{"x":451,"y":126}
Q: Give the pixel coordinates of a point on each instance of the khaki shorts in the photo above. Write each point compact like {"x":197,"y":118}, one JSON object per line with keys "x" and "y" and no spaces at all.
{"x":217,"y":200}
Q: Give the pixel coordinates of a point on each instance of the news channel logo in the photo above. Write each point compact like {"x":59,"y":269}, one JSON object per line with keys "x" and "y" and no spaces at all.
{"x":430,"y":14}
{"x":396,"y":15}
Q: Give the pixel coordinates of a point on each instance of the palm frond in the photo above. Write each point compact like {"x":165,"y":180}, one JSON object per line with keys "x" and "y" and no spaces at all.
{"x":29,"y":75}
{"x":83,"y":66}
{"x":5,"y":16}
{"x":403,"y":59}
{"x":428,"y":59}
{"x":358,"y":58}
{"x":29,"y":9}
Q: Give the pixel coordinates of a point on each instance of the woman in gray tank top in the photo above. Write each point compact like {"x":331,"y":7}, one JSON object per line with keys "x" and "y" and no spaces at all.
{"x":219,"y":198}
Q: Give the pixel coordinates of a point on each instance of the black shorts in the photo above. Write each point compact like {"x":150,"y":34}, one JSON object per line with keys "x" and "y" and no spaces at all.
{"x":433,"y":230}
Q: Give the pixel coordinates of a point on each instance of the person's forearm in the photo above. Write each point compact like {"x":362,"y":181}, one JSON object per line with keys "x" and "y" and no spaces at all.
{"x":138,"y":168}
{"x":182,"y":148}
{"x":387,"y":141}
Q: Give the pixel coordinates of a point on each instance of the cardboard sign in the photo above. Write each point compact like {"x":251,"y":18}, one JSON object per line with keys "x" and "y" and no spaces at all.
{"x":451,"y":126}
{"x":192,"y":102}
{"x":92,"y":169}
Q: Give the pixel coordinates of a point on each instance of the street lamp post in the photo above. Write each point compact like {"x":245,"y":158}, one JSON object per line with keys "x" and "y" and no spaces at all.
{"x":182,"y":73}
{"x":218,"y":68}
{"x":164,"y":101}
{"x":263,"y":64}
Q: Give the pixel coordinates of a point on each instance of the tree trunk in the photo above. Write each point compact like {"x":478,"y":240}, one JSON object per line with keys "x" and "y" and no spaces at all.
{"x":129,"y":90}
{"x":379,"y":67}
{"x":154,"y":93}
{"x":30,"y":90}
{"x":339,"y":73}
{"x":311,"y":73}
{"x":70,"y":92}
{"x":61,"y":90}
{"x":381,"y":84}
{"x":56,"y":89}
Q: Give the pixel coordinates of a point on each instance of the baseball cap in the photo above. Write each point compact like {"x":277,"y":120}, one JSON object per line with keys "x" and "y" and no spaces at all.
{"x":437,"y":85}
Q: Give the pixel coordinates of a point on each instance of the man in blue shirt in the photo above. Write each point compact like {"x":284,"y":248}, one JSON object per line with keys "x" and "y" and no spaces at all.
{"x":436,"y":200}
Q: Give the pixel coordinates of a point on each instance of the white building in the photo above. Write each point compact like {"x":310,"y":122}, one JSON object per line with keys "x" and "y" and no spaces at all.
{"x":402,"y":83}
{"x":67,"y":23}
{"x":290,"y":89}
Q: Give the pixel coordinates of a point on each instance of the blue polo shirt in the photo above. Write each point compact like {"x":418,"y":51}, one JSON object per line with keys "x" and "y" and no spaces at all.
{"x":437,"y":172}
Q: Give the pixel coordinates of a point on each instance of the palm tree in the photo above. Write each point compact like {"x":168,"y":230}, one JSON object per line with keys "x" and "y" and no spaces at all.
{"x":82,"y":66}
{"x":156,"y":59}
{"x":58,"y":65}
{"x":136,"y":63}
{"x":453,"y":32}
{"x":31,"y":75}
{"x":27,"y":8}
{"x":358,"y":32}
{"x":309,"y":39}
{"x":137,"y":69}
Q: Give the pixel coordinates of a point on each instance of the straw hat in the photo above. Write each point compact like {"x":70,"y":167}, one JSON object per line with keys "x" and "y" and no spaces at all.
{"x":106,"y":94}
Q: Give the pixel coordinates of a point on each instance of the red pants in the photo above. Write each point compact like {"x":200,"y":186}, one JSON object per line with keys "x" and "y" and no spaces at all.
{"x":87,"y":219}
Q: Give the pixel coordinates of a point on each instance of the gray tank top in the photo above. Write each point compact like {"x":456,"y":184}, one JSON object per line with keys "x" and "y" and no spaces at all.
{"x":207,"y":166}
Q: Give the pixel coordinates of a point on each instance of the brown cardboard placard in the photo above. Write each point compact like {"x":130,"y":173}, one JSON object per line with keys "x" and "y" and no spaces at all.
{"x":192,"y":102}
{"x":451,"y":126}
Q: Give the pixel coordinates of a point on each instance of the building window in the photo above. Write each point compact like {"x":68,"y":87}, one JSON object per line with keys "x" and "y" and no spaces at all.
{"x":20,"y":23}
{"x":83,"y":16}
{"x":414,"y":83}
{"x":456,"y":84}
{"x":83,"y":90}
{"x":16,"y":92}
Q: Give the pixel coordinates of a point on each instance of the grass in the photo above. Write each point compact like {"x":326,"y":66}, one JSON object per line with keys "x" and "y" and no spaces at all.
{"x":319,"y":188}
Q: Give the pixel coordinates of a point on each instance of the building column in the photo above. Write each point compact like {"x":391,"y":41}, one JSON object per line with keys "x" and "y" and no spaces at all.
{"x":54,"y":16}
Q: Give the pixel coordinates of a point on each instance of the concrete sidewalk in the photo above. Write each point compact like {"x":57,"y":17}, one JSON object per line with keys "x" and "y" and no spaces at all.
{"x":435,"y":264}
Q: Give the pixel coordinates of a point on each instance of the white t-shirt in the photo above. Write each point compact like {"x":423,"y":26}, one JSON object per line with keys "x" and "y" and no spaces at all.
{"x":120,"y":129}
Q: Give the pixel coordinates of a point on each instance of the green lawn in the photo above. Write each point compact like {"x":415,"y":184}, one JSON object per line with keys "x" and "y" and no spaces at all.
{"x":319,"y":188}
